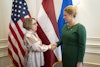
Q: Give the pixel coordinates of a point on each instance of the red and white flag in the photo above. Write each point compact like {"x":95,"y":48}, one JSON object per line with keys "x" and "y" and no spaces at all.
{"x":48,"y":31}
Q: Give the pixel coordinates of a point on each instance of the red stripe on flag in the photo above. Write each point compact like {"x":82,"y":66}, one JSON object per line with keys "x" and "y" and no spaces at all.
{"x":20,"y":31}
{"x":15,"y":36}
{"x":11,"y":56}
{"x":42,"y":35}
{"x":48,"y":6}
{"x":15,"y":50}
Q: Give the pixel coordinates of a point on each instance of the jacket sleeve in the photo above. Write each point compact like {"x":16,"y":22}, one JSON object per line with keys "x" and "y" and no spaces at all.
{"x":36,"y":46}
{"x":81,"y":42}
{"x":59,"y":42}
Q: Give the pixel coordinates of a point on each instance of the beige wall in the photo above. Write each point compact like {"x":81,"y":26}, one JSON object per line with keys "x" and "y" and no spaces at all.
{"x":32,"y":7}
{"x":5,"y":11}
{"x":88,"y":14}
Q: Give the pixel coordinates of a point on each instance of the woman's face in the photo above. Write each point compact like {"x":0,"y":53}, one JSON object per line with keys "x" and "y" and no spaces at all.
{"x":34,"y":25}
{"x":67,"y":17}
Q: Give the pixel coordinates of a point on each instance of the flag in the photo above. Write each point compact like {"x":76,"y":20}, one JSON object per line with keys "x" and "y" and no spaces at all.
{"x":48,"y":31}
{"x":16,"y":49}
{"x":61,"y":21}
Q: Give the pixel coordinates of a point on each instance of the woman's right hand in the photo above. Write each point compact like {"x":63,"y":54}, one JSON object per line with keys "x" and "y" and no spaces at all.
{"x":53,"y":46}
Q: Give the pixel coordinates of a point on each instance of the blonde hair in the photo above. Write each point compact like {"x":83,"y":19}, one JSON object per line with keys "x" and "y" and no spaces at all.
{"x":71,"y":10}
{"x":27,"y":23}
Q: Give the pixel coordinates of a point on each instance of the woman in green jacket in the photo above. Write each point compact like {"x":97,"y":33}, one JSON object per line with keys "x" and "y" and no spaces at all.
{"x":73,"y":39}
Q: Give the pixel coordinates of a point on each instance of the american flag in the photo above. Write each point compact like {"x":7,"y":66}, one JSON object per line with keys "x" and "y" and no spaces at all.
{"x":16,"y":49}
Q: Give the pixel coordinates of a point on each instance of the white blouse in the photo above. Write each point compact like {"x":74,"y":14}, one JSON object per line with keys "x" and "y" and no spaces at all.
{"x":35,"y":50}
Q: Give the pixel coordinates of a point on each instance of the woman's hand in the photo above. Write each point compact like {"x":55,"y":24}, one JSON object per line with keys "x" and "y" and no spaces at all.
{"x":79,"y":64}
{"x":53,"y":46}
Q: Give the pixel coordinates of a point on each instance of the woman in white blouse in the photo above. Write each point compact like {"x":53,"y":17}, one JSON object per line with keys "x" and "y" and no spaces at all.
{"x":34,"y":47}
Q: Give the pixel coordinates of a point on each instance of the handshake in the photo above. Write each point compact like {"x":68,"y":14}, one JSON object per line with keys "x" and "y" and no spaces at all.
{"x":47,"y":47}
{"x":52,"y":46}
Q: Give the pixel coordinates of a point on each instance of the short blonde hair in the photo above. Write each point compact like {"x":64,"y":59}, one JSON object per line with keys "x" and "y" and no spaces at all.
{"x":27,"y":23}
{"x":71,"y":10}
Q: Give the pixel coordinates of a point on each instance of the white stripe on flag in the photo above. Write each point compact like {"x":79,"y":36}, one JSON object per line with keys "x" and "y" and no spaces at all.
{"x":57,"y":6}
